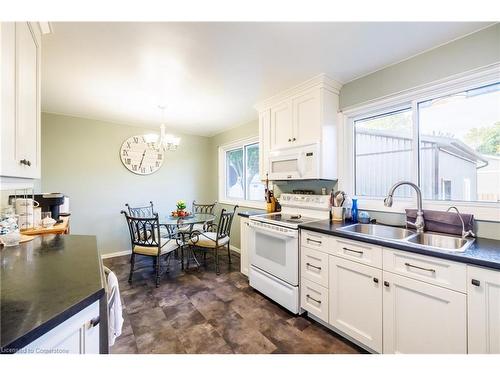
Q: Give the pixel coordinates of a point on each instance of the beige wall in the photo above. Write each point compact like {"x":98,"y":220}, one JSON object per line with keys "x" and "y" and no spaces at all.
{"x":80,"y":157}
{"x":474,"y":51}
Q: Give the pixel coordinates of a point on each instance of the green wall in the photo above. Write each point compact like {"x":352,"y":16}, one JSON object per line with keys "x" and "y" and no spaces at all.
{"x":81,"y":159}
{"x":473,"y":51}
{"x":241,"y":132}
{"x":80,"y":156}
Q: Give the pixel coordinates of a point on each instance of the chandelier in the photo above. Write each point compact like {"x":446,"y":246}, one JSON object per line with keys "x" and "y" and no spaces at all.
{"x":166,"y":142}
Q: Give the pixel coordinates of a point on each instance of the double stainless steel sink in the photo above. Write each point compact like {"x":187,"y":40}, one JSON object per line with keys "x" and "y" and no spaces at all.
{"x":426,"y":240}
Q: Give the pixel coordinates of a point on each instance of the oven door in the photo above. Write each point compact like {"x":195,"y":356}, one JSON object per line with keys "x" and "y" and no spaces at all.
{"x":275,"y":250}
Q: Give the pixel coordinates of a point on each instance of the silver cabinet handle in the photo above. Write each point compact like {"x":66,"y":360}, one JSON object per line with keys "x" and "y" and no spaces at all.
{"x":420,"y":268}
{"x":354,"y":251}
{"x":315,"y":241}
{"x":313,"y":266}
{"x":314,"y":299}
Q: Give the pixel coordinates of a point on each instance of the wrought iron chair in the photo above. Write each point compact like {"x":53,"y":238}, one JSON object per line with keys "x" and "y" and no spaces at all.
{"x":198,"y":208}
{"x":218,"y":237}
{"x":146,"y":240}
{"x":146,"y":211}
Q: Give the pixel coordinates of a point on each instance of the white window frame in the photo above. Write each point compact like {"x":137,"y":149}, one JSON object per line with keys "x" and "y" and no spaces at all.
{"x":222,"y":174}
{"x":487,"y":211}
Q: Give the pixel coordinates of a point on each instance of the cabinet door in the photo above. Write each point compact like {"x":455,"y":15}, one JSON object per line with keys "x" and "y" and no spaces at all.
{"x":27,"y":99}
{"x":356,"y":301}
{"x":420,"y":318}
{"x":76,"y":335}
{"x":484,"y":310}
{"x":9,"y":163}
{"x":306,"y":118}
{"x":281,"y":125}
{"x":244,"y":246}
{"x":264,"y":142}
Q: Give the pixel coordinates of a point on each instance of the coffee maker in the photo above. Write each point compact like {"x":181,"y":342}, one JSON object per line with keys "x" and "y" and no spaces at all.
{"x":56,"y":203}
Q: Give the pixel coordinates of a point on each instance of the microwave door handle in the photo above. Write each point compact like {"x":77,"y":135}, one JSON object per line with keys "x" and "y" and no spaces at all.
{"x":300,"y":164}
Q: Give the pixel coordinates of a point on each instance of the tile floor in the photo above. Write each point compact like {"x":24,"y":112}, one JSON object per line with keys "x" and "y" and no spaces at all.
{"x":199,"y":312}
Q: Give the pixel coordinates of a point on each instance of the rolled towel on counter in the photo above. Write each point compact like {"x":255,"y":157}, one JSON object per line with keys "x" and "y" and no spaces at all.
{"x":442,"y":221}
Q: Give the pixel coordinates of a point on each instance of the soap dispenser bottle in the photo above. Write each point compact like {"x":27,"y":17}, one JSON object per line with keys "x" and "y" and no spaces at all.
{"x":354,"y":210}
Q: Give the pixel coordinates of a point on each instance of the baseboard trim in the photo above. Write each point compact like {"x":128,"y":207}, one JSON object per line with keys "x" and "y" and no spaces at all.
{"x":128,"y":252}
{"x":116,"y":254}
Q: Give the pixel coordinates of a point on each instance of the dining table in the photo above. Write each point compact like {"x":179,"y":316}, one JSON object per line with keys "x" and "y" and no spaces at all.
{"x":184,"y":227}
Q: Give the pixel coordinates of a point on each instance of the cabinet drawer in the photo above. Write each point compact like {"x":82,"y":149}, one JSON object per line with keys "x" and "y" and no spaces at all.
{"x":314,"y":299}
{"x":314,"y":266}
{"x":451,"y":275}
{"x":359,"y":251}
{"x":318,"y":241}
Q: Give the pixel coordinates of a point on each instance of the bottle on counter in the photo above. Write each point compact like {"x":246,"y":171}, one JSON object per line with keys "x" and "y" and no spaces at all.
{"x":354,"y":210}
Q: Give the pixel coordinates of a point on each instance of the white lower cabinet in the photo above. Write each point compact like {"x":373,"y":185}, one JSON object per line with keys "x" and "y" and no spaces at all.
{"x":483,"y":291}
{"x":422,"y":318}
{"x":78,"y":334}
{"x":356,"y":301}
{"x":394,"y":301}
{"x":314,"y":298}
{"x":244,"y":245}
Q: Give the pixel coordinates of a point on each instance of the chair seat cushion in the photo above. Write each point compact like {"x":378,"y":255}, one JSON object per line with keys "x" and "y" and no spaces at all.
{"x":207,"y":239}
{"x":167,"y":245}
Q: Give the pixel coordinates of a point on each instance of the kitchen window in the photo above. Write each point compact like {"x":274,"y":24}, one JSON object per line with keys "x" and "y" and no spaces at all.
{"x":239,"y":174}
{"x":447,"y":140}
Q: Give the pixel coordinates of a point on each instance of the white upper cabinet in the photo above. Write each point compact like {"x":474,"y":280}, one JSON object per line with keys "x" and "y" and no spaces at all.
{"x":304,"y":115}
{"x":20,"y":100}
{"x":483,"y":293}
{"x":264,"y":139}
{"x":306,"y":118}
{"x":281,"y":125}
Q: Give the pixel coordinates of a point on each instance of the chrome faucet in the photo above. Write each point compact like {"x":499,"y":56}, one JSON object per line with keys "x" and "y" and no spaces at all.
{"x":465,"y":234}
{"x":419,"y":222}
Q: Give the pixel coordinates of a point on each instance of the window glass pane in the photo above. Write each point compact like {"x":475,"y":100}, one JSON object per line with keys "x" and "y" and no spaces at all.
{"x":460,"y":146}
{"x":254,"y":187}
{"x":383,"y":153}
{"x":234,"y":174}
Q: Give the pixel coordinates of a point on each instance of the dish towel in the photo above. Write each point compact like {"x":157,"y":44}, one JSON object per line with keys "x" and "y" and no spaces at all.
{"x":115,"y":319}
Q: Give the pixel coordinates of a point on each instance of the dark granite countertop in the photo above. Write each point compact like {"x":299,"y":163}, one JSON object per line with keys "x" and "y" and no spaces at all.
{"x":251,"y":213}
{"x":483,"y":252}
{"x":44,"y":282}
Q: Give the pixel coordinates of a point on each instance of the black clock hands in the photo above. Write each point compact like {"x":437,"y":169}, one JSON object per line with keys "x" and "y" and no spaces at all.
{"x":143,"y":154}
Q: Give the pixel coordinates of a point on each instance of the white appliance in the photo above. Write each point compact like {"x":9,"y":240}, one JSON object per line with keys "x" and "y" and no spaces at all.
{"x":295,"y":163}
{"x":274,"y":247}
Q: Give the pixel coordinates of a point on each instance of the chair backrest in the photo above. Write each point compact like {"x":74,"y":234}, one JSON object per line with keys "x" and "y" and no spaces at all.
{"x":225,"y":222}
{"x":145,"y":211}
{"x":203,"y":208}
{"x":144,"y":231}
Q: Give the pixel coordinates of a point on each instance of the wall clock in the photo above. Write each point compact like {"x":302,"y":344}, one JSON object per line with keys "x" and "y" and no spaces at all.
{"x":139,"y":156}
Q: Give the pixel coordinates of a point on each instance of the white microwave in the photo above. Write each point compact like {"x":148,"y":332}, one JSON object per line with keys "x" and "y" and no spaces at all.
{"x":297,"y":163}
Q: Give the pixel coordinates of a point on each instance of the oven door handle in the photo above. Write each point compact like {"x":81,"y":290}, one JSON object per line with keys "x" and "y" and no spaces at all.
{"x":273,"y":233}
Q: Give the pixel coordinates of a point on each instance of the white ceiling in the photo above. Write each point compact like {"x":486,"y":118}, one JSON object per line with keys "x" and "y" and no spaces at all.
{"x":209,"y":75}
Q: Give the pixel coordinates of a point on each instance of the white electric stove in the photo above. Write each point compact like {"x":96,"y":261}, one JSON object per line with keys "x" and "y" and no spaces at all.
{"x":274,"y":246}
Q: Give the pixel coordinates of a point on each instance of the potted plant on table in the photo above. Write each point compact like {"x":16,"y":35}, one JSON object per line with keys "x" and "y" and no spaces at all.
{"x":181,"y":209}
